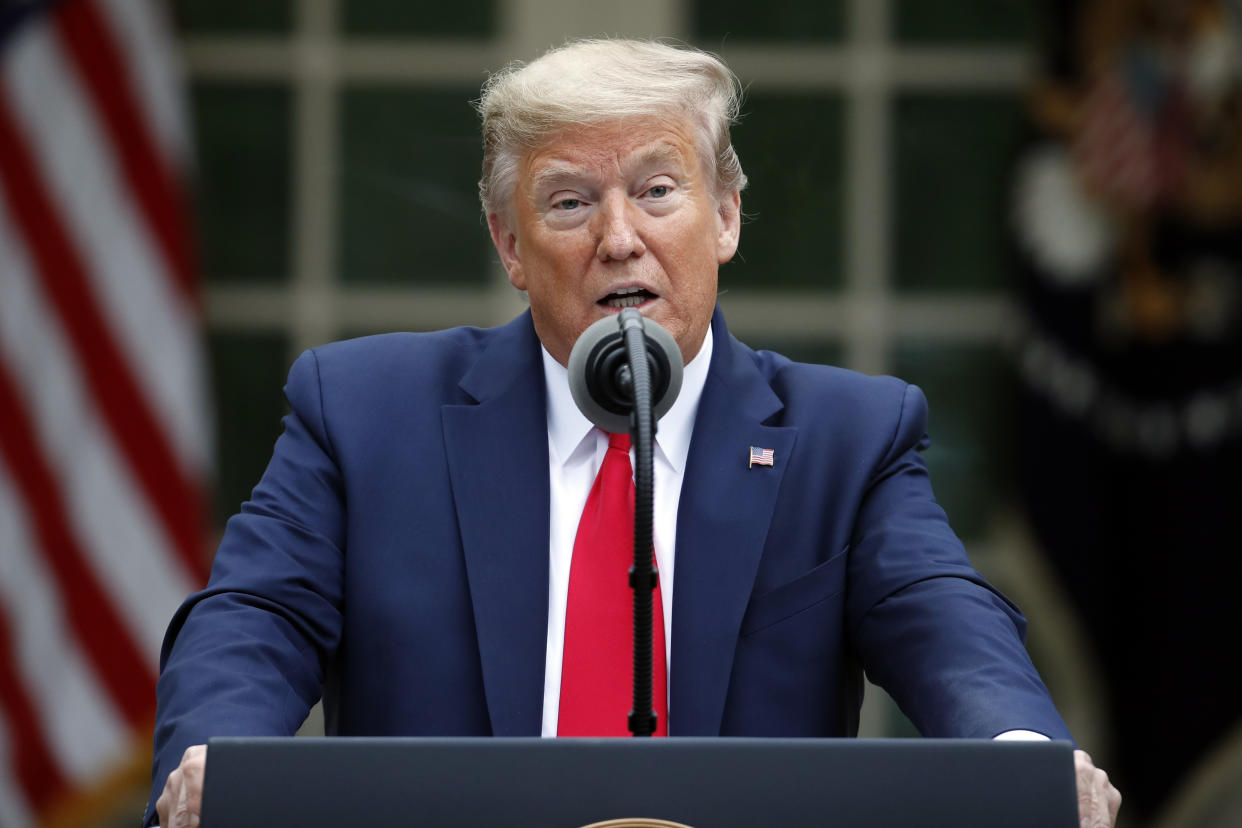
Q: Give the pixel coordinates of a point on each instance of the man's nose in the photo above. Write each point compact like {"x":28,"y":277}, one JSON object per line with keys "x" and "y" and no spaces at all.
{"x":618,"y":237}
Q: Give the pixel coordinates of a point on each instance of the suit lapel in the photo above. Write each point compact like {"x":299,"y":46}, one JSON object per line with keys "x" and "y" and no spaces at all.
{"x":498,"y":463}
{"x":722,"y":522}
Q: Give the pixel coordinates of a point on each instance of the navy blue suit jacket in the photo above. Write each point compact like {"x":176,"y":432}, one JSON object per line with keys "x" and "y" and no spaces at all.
{"x":394,"y":557}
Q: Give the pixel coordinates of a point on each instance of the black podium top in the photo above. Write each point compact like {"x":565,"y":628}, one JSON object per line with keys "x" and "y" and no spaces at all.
{"x":704,"y":783}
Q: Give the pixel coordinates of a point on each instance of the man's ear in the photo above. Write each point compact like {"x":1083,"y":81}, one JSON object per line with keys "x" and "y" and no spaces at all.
{"x":505,"y":241}
{"x":729,"y":226}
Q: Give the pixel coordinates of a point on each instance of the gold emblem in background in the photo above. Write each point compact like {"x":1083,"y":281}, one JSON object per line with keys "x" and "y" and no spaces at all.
{"x":636,"y":822}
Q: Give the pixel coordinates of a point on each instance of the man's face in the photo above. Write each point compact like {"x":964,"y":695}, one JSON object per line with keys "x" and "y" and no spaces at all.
{"x":617,"y":215}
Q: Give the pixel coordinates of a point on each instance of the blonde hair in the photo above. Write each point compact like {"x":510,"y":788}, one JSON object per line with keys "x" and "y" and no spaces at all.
{"x":592,"y":81}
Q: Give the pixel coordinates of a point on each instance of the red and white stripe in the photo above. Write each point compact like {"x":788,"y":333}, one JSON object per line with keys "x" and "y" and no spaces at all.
{"x":1115,"y":146}
{"x":104,"y":428}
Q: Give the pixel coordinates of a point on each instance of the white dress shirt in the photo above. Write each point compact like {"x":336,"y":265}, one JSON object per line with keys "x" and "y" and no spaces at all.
{"x":576,"y":450}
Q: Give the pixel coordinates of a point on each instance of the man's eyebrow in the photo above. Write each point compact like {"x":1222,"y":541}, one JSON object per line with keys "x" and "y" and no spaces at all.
{"x":553,"y":177}
{"x":654,"y":156}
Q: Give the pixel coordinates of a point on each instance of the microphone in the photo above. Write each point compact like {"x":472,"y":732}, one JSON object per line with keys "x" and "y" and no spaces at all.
{"x":599,"y":373}
{"x":621,"y":391}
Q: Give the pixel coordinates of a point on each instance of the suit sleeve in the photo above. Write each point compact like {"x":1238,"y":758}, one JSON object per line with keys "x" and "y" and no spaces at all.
{"x":929,"y":629}
{"x":246,"y":656}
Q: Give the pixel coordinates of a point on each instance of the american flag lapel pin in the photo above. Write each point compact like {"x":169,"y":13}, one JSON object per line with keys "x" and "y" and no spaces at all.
{"x":760,"y":457}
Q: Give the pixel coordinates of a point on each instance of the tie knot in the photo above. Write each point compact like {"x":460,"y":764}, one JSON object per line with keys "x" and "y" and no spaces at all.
{"x":619,"y":441}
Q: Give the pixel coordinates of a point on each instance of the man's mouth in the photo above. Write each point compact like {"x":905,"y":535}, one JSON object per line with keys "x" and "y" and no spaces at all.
{"x":628,"y":297}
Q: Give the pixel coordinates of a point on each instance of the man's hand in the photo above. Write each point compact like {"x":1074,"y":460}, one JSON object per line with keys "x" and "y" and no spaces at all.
{"x":1098,"y":800}
{"x":181,"y":803}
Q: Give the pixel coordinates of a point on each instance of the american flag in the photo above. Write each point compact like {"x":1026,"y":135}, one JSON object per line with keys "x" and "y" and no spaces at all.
{"x":104,"y":447}
{"x":760,"y":457}
{"x":1133,"y":140}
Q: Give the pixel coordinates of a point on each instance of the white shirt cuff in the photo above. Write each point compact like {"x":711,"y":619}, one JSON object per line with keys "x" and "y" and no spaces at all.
{"x":1020,"y":736}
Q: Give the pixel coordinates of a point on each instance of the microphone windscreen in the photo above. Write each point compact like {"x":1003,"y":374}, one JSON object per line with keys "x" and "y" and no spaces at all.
{"x":592,"y":382}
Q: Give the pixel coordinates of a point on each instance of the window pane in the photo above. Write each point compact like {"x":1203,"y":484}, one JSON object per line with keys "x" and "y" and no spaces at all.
{"x":248,"y":372}
{"x":716,"y":22}
{"x":242,"y":190}
{"x":965,"y":21}
{"x":953,"y":154}
{"x":233,"y":16}
{"x":401,"y":17}
{"x":408,"y":177}
{"x":791,"y":149}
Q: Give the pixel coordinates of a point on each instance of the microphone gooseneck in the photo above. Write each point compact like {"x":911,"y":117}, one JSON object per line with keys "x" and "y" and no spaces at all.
{"x":642,"y":718}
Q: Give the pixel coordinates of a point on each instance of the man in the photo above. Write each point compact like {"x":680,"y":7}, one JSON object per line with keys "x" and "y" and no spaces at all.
{"x":413,"y":546}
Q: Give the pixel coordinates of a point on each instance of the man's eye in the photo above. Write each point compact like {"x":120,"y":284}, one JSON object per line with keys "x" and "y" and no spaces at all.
{"x":567,"y":204}
{"x":659,"y":191}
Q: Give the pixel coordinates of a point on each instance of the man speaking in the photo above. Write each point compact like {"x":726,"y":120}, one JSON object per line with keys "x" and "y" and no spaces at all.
{"x":422,"y":550}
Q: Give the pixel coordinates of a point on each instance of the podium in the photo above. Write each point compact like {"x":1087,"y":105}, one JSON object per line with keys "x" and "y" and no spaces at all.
{"x":702,"y":783}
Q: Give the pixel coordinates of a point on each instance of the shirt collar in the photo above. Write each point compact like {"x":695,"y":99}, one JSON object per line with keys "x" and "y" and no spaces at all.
{"x":568,"y":428}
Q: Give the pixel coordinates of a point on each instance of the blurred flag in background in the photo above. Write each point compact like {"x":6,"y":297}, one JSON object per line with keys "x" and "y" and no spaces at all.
{"x":104,"y":439}
{"x":1127,"y":229}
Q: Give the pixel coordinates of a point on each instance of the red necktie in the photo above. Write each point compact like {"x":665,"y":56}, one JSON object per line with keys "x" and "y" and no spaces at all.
{"x":597,"y":672}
